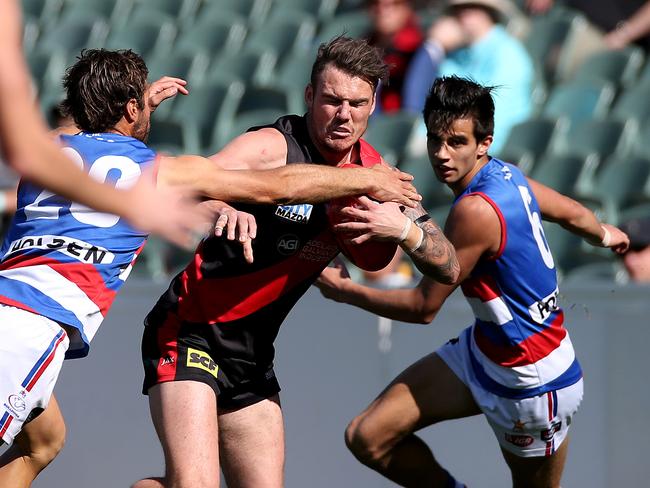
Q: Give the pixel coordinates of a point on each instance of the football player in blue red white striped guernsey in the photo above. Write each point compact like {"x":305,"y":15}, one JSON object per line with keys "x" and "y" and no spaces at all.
{"x":515,"y":364}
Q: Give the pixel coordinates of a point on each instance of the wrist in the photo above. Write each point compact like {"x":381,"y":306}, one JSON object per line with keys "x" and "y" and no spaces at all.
{"x":368,"y":184}
{"x":604,"y":240}
{"x":405,"y":230}
{"x":414,"y":238}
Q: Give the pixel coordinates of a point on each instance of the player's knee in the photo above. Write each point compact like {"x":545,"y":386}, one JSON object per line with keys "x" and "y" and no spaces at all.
{"x":362,"y":442}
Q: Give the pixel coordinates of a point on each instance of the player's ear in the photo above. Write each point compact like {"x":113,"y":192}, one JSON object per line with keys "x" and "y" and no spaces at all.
{"x":131,"y":110}
{"x":484,"y":146}
{"x":309,"y":95}
{"x":374,"y":102}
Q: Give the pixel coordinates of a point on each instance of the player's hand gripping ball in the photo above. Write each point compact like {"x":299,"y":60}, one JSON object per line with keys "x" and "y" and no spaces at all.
{"x":370,"y":255}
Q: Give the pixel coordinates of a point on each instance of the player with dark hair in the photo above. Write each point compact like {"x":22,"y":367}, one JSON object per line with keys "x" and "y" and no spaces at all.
{"x":27,"y":147}
{"x":210,"y":336}
{"x":63,"y":263}
{"x":515,"y":364}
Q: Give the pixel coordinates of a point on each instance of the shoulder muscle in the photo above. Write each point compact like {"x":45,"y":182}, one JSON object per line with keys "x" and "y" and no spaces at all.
{"x":262,"y":149}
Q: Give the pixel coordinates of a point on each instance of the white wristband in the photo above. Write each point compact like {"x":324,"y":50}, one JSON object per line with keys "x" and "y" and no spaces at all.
{"x":420,"y":240}
{"x":405,"y":230}
{"x":607,"y":237}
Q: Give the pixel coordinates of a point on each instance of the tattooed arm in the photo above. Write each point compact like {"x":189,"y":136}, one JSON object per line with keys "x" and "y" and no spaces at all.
{"x":428,"y":247}
{"x":412,"y":229}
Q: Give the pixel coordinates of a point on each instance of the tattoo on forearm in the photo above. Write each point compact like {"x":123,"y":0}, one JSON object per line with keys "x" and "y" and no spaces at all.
{"x":436,"y":256}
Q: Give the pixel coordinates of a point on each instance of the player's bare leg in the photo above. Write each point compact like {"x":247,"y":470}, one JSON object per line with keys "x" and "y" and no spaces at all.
{"x":382,"y":436}
{"x":34,"y":448}
{"x":251,"y":442}
{"x":537,"y":472}
{"x":184,"y":414}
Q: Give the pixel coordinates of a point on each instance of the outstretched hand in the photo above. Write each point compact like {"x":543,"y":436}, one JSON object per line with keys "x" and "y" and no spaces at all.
{"x":164,"y":88}
{"x":394,"y":185}
{"x":237,"y":225}
{"x":332,"y":280}
{"x":171,"y":213}
{"x":619,"y":242}
{"x":372,"y":220}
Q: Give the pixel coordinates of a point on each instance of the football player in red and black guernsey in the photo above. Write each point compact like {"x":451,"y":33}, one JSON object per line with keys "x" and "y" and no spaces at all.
{"x":210,"y":336}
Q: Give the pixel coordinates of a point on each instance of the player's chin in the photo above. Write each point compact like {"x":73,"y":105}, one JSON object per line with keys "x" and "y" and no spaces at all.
{"x":339,"y":144}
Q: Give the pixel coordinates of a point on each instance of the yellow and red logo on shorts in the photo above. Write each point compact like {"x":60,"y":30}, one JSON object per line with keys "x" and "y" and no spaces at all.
{"x":201,"y":360}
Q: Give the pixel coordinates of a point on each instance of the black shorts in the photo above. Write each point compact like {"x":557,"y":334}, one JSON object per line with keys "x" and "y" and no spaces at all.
{"x":220,"y":355}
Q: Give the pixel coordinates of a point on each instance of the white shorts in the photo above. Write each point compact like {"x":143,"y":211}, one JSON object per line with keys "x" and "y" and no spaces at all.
{"x":528,"y":427}
{"x":31,"y":354}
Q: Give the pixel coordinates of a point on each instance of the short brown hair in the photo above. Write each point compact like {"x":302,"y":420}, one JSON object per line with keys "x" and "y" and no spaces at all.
{"x":353,"y":56}
{"x":100,"y":84}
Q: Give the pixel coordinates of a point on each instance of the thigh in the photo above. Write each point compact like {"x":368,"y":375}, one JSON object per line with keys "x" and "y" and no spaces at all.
{"x":537,"y":472}
{"x":47,"y":428}
{"x":31,"y":355}
{"x":425,"y":393}
{"x":251,"y":441}
{"x":184,"y":414}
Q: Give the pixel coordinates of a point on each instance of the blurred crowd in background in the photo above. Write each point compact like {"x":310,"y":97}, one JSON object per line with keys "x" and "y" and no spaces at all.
{"x":572,"y":99}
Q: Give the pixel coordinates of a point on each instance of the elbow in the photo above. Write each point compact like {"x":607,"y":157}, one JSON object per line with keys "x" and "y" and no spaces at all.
{"x":451,"y":277}
{"x":425,"y":314}
{"x":424,"y":317}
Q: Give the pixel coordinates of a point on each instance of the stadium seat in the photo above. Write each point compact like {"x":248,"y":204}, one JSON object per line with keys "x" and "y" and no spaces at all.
{"x":434,"y":193}
{"x":41,"y":10}
{"x":527,"y":141}
{"x":580,"y":100}
{"x":263,"y":98}
{"x":564,"y":173}
{"x":346,"y":6}
{"x":634,"y":212}
{"x":71,"y":36}
{"x":352,"y":24}
{"x":565,"y":247}
{"x":319,"y":9}
{"x":112,"y":12}
{"x":618,"y":67}
{"x":31,"y":31}
{"x":167,"y":136}
{"x":600,"y":137}
{"x":145,"y":37}
{"x":391,"y":133}
{"x":212,"y":36}
{"x":208,"y":106}
{"x":247,"y":67}
{"x":49,"y":98}
{"x":644,"y":77}
{"x":294,"y":71}
{"x":190,"y":67}
{"x":547,"y":39}
{"x":175,"y":9}
{"x":618,"y":185}
{"x":282,"y":35}
{"x":254,"y":11}
{"x":46,"y":68}
{"x":630,"y":104}
{"x":240,"y":124}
